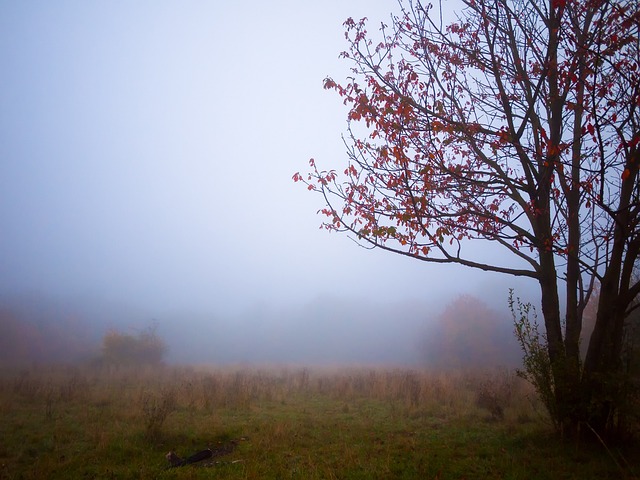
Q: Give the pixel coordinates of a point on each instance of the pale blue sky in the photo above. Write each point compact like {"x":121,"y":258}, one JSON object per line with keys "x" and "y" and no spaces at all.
{"x":147,"y":150}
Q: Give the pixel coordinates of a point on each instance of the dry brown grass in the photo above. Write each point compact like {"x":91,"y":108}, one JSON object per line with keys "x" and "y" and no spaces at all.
{"x":364,"y":422}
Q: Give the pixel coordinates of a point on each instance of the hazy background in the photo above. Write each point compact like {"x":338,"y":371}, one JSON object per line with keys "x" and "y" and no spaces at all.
{"x":146,"y":156}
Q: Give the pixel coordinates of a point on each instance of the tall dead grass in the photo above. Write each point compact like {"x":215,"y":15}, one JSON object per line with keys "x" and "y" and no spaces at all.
{"x":154,"y":393}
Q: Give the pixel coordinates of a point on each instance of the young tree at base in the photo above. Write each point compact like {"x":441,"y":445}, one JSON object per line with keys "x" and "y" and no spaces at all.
{"x":517,"y":127}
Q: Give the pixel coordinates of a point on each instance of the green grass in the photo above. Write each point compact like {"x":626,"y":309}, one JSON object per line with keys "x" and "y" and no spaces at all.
{"x":291,"y":423}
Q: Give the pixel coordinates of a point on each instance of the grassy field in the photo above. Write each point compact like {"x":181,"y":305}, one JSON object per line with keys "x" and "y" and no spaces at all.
{"x":364,"y":423}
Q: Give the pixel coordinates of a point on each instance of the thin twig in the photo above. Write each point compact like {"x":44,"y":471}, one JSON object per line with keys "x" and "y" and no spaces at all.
{"x":606,"y":448}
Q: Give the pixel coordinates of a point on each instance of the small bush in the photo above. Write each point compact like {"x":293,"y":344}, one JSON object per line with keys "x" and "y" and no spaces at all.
{"x":155,"y":408}
{"x":146,"y":348}
{"x":495,"y":395}
{"x":537,"y":365}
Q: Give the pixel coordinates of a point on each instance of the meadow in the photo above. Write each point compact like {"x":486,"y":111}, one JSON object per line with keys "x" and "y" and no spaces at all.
{"x":287,"y":422}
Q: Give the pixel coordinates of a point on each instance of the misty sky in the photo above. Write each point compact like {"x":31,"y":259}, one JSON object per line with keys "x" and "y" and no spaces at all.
{"x":147,"y":150}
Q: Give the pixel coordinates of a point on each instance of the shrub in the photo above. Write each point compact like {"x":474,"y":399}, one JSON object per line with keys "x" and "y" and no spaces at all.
{"x":146,"y":348}
{"x":536,"y":362}
{"x":155,"y":408}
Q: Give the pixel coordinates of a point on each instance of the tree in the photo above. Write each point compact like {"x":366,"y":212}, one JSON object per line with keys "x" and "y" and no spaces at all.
{"x":469,"y":334}
{"x":145,"y":348}
{"x":516,"y":127}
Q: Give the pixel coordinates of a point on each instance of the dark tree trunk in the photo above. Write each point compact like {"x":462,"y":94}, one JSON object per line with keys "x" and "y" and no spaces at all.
{"x":603,"y":376}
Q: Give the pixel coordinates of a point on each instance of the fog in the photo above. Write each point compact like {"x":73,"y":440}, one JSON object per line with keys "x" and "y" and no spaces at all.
{"x":146,"y":156}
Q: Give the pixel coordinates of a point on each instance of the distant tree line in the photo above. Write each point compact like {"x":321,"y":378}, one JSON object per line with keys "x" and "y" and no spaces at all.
{"x":48,"y":334}
{"x":45,"y":337}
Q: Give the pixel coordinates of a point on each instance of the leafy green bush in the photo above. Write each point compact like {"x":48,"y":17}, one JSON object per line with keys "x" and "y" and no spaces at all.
{"x":535,"y":361}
